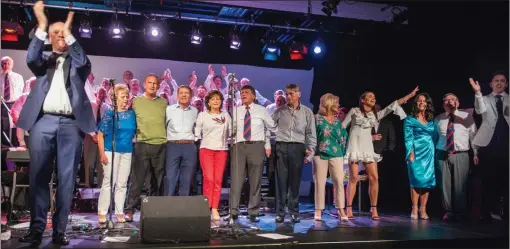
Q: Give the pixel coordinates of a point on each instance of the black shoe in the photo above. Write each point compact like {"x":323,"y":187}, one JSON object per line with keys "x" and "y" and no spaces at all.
{"x":279,"y":219}
{"x":295,"y":218}
{"x":33,"y":237}
{"x":60,"y":239}
{"x":254,"y":218}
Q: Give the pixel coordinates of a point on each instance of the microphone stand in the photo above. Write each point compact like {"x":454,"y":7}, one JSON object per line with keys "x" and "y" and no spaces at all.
{"x":231,"y":225}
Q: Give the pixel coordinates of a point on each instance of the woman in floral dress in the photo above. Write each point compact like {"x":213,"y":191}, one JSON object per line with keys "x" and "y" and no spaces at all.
{"x":331,"y":140}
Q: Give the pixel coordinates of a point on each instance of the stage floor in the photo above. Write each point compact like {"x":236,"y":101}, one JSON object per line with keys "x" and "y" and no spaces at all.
{"x":390,"y":231}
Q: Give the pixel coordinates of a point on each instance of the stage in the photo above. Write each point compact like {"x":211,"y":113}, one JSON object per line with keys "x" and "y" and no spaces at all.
{"x":391,"y":231}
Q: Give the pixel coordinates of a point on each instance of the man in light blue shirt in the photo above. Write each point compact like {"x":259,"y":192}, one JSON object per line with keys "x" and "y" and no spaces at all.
{"x":181,"y":151}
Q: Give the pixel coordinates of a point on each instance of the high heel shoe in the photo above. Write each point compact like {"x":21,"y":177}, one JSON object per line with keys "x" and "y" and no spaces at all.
{"x":349,"y":217}
{"x":342,"y":217}
{"x":414,"y":216}
{"x":215,"y":215}
{"x":374,"y":217}
{"x":423,"y":214}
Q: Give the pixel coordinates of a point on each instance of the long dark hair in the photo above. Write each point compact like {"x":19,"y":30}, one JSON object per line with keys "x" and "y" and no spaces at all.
{"x":429,"y":111}
{"x":361,"y":105}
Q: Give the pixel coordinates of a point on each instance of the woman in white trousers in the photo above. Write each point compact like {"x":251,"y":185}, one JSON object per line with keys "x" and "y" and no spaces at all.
{"x":331,"y":140}
{"x":125,"y":127}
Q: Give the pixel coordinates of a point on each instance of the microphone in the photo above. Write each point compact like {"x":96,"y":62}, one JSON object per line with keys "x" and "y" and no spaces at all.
{"x":111,"y":81}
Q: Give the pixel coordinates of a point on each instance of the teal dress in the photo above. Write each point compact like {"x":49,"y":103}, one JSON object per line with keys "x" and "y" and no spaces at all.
{"x":420,"y":139}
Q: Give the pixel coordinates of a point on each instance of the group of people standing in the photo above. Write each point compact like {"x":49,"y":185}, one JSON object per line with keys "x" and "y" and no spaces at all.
{"x":58,"y":115}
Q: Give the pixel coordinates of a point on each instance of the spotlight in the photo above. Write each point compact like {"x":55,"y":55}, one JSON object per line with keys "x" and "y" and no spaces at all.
{"x":318,"y":47}
{"x":196,"y":37}
{"x":11,"y":31}
{"x":85,"y":29}
{"x":271,"y":51}
{"x":297,"y":51}
{"x":235,"y":42}
{"x":154,"y":32}
{"x":117,"y":31}
{"x":330,"y":7}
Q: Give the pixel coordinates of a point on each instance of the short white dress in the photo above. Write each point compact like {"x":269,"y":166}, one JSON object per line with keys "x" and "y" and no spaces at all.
{"x":360,"y":147}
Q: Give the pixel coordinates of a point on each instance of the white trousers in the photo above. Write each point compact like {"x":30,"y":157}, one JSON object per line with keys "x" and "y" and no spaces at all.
{"x":121,"y":171}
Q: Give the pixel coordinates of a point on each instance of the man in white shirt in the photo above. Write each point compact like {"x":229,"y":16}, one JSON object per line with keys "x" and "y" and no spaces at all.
{"x":11,"y":89}
{"x":492,"y":141}
{"x":181,"y":151}
{"x":279,"y":100}
{"x":91,"y":158}
{"x":57,"y":114}
{"x":251,"y":125}
{"x":456,"y":130}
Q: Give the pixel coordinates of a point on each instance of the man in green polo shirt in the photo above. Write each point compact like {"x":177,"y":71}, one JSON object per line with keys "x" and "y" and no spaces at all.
{"x":150,"y":143}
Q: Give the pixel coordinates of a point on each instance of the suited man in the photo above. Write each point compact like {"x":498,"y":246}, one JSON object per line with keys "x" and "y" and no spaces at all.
{"x":492,"y":141}
{"x":57,"y":113}
{"x":383,"y":134}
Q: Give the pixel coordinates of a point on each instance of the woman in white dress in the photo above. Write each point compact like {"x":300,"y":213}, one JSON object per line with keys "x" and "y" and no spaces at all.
{"x":360,"y":147}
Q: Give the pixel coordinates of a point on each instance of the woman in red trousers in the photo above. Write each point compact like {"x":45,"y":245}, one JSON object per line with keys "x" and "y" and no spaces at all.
{"x":213,"y":127}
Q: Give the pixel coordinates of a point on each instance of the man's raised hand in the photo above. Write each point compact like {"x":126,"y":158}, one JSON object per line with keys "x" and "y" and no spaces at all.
{"x":42,"y":20}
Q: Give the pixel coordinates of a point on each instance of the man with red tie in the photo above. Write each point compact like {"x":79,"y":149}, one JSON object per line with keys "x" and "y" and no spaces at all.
{"x":456,"y":131}
{"x":248,"y":153}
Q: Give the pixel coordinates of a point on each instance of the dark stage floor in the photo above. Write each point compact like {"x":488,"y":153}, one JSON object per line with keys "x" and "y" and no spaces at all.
{"x":390,"y":231}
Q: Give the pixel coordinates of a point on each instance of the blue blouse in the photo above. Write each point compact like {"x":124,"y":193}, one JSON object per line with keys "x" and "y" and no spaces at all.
{"x":126,"y":129}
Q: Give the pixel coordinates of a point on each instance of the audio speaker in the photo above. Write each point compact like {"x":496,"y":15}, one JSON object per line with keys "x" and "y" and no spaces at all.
{"x":174,"y":219}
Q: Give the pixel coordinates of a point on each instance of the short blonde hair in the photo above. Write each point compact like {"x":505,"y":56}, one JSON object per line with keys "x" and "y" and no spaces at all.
{"x":327,"y":101}
{"x":118,"y":89}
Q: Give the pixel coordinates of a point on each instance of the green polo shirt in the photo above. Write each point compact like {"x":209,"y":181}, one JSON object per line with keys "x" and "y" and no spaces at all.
{"x":150,"y":120}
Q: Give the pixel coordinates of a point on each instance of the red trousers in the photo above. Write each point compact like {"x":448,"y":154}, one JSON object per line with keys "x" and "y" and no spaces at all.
{"x":213,"y":164}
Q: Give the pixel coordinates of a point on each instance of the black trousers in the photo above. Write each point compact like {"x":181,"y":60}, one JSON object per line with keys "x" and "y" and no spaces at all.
{"x":495,"y":164}
{"x":289,"y":164}
{"x":270,"y":172}
{"x":149,"y":159}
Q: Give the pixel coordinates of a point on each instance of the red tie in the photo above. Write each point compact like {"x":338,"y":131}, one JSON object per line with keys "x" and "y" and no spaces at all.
{"x":7,"y":88}
{"x":450,"y":143}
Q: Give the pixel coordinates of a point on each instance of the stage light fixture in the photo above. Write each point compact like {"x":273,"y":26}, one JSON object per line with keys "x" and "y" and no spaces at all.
{"x":196,"y":36}
{"x":318,"y":47}
{"x":85,"y":29}
{"x":11,"y":30}
{"x":271,"y":51}
{"x":117,"y":31}
{"x":235,"y":42}
{"x":298,"y":51}
{"x":154,"y":33}
{"x":330,"y":7}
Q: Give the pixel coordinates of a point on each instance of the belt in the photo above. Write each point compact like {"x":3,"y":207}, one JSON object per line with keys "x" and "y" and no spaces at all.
{"x":60,"y":115}
{"x":181,"y":141}
{"x":279,"y":142}
{"x":250,"y":142}
{"x":456,"y":152}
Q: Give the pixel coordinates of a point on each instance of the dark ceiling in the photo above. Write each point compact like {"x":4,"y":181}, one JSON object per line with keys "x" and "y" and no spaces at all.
{"x":176,"y":8}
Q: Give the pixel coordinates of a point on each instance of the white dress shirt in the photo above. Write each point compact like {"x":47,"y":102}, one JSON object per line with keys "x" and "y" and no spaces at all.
{"x":271,"y":108}
{"x":180,"y":122}
{"x":465,"y":130}
{"x":261,"y":124}
{"x":213,"y":129}
{"x":16,"y":86}
{"x":57,"y":100}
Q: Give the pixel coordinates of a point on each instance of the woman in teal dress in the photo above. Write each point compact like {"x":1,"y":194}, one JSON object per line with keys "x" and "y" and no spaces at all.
{"x":419,"y":130}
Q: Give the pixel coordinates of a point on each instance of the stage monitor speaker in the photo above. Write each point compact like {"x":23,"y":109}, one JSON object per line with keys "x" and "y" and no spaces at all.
{"x":174,"y":219}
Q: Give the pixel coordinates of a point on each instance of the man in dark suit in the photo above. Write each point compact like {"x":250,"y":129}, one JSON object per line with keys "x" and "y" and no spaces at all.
{"x":57,"y":113}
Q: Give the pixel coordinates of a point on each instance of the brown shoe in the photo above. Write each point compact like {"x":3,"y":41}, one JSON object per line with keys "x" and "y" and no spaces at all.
{"x":128,"y":217}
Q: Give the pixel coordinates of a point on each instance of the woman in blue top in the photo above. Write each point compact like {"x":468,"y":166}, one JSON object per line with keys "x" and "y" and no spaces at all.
{"x":125,"y":127}
{"x":419,"y":130}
